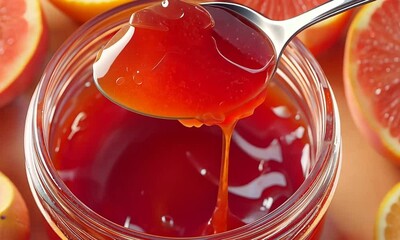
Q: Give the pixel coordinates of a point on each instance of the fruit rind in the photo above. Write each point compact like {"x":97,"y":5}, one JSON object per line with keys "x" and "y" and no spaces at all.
{"x":358,"y":102}
{"x":83,"y":10}
{"x":5,"y":189}
{"x":329,"y":30}
{"x":14,"y":215}
{"x":391,"y":197}
{"x":30,"y":55}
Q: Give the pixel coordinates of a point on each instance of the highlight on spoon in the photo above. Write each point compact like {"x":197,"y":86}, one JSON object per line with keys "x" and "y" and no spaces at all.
{"x":180,"y":60}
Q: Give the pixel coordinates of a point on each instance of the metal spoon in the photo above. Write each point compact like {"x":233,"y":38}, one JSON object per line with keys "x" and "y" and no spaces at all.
{"x":281,"y":32}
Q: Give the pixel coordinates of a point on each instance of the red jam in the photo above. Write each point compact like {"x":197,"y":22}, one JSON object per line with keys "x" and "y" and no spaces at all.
{"x":180,"y":60}
{"x":160,"y":177}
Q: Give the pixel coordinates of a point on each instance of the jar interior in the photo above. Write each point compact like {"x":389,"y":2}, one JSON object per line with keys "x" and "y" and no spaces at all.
{"x":160,"y":177}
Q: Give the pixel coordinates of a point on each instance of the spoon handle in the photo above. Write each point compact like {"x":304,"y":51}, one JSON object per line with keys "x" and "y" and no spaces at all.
{"x":281,"y":32}
{"x":289,"y":28}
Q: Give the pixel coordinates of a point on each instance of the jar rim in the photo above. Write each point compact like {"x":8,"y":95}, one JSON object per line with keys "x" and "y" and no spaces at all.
{"x":328,"y":160}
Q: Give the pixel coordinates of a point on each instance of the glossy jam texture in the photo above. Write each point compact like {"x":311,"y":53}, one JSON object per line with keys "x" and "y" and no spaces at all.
{"x":180,"y":60}
{"x":160,"y":177}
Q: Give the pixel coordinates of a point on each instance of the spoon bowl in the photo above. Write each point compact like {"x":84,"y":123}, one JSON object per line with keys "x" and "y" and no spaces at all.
{"x":199,"y":68}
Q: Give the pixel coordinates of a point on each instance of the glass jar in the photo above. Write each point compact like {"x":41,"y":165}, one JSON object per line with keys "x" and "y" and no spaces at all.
{"x":299,"y":75}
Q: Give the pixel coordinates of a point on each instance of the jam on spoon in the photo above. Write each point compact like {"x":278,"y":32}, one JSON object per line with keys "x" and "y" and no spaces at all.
{"x":183,"y":61}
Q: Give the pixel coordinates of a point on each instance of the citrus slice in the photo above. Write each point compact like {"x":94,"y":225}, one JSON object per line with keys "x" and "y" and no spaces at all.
{"x":372,"y":75}
{"x":318,"y":37}
{"x":387,"y":225}
{"x":83,"y":10}
{"x":14,"y":217}
{"x":22,"y":35}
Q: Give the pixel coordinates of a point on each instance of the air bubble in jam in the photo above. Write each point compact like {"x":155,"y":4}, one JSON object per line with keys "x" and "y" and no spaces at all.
{"x":120,"y":81}
{"x":167,"y":221}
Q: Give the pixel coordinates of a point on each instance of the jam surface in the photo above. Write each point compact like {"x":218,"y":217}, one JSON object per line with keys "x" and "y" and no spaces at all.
{"x":160,"y":177}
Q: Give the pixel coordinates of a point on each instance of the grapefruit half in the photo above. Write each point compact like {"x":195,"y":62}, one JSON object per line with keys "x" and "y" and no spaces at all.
{"x":22,"y":46}
{"x":371,"y":75}
{"x":318,"y":37}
